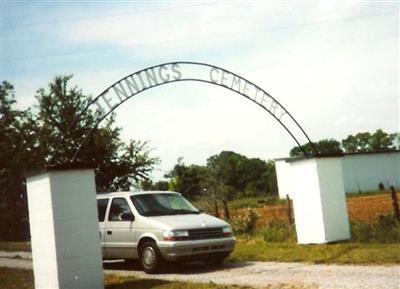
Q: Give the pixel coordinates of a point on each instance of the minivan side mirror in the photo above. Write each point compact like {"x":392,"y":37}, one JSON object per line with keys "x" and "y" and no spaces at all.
{"x":127,"y":217}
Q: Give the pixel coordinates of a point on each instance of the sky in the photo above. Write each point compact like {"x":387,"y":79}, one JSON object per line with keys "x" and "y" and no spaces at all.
{"x":333,"y":65}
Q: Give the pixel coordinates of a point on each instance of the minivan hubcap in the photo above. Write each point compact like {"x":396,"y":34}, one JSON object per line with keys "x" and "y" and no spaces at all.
{"x":149,"y":256}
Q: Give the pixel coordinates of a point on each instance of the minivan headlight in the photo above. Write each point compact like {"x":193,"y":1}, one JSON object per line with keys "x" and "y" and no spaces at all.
{"x":176,"y":235}
{"x":227,"y":231}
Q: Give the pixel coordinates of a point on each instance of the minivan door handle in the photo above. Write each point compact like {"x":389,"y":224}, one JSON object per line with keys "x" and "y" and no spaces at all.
{"x":109,"y":232}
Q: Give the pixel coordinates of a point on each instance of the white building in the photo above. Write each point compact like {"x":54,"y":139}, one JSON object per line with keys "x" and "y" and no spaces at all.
{"x":362,"y":172}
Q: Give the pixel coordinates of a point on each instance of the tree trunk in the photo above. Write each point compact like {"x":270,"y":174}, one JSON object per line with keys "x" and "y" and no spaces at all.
{"x":226,"y":209}
{"x":216,"y":205}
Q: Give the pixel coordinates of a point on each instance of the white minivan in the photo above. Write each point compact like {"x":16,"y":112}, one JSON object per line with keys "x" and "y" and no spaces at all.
{"x":160,"y":226}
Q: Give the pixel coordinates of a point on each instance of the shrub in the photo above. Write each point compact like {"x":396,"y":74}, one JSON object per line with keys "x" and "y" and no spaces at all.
{"x":276,"y":231}
{"x":385,"y":230}
{"x":246,"y":224}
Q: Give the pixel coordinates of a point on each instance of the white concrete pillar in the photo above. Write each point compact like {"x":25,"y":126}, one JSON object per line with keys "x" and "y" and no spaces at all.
{"x":319,"y":200}
{"x":64,"y":230}
{"x":283,"y":175}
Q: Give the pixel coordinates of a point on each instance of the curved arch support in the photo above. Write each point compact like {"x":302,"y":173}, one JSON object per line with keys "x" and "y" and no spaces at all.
{"x":165,"y":73}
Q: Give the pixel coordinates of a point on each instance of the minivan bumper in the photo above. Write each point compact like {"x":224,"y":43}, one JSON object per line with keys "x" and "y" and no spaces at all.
{"x":196,"y":249}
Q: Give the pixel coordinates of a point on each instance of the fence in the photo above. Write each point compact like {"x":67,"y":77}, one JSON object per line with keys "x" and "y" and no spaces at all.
{"x":360,"y":208}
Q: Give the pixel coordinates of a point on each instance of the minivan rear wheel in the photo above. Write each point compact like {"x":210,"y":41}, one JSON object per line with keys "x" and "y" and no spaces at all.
{"x":150,"y":257}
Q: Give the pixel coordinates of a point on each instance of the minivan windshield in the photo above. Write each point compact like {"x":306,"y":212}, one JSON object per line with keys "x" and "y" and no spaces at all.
{"x":162,"y":204}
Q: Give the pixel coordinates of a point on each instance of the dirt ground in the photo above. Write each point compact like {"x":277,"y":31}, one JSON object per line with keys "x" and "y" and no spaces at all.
{"x":257,"y":274}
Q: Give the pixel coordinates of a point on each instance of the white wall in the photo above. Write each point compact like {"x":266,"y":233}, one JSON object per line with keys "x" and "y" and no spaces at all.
{"x":333,"y":199}
{"x":42,"y":232}
{"x":319,"y":201}
{"x":365,"y":171}
{"x":283,"y":175}
{"x":307,"y":203}
{"x":64,"y":230}
{"x":360,"y":172}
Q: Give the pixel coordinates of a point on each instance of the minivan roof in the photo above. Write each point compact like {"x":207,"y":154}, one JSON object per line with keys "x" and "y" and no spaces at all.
{"x":127,"y":194}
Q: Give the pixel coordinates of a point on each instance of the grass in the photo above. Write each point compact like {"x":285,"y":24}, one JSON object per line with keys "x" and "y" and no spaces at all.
{"x":115,"y":281}
{"x":255,"y":202}
{"x":376,"y":242}
{"x":257,"y":249}
{"x":16,"y":278}
{"x":386,"y":229}
{"x":367,"y":193}
{"x":23,"y":279}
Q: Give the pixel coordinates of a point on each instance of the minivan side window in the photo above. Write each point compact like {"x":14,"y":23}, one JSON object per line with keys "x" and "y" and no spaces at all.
{"x":101,"y":208}
{"x":118,"y":207}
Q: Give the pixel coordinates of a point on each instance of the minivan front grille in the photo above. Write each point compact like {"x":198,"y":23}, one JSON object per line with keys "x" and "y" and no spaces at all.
{"x":208,"y":233}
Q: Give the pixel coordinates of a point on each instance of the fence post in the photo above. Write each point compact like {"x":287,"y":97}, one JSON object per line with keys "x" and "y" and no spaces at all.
{"x":289,"y":210}
{"x":395,"y":203}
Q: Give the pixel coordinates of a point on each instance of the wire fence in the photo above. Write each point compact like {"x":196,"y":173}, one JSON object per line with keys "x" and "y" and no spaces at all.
{"x":361,"y":207}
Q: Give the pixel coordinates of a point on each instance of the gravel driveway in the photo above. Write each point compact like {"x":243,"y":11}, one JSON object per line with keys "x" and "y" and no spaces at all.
{"x":257,"y":274}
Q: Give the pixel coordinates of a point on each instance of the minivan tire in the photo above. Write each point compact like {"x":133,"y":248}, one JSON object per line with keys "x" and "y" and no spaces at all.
{"x":150,"y":257}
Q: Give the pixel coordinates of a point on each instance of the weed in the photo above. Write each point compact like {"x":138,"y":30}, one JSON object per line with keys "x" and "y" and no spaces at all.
{"x":247,"y":224}
{"x":255,"y":202}
{"x":385,"y":230}
{"x":278,"y":231}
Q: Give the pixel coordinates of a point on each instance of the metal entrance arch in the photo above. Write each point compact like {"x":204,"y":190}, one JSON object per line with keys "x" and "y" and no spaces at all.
{"x":170,"y":72}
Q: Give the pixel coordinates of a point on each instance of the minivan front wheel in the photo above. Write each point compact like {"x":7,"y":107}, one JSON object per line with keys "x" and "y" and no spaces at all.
{"x":150,"y":257}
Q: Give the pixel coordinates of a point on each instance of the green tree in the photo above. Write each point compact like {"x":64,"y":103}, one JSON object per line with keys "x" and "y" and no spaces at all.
{"x":367,"y":142}
{"x":149,"y":185}
{"x":359,"y":142}
{"x":18,"y":155}
{"x":27,"y":142}
{"x":191,"y":181}
{"x":270,"y":176}
{"x":226,"y":176}
{"x":225,"y":169}
{"x":239,"y":175}
{"x":324,"y":146}
{"x":381,"y":141}
{"x":118,"y":165}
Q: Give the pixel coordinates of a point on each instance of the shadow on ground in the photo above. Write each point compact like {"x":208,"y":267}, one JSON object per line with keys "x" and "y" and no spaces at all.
{"x":137,"y":284}
{"x":174,"y":268}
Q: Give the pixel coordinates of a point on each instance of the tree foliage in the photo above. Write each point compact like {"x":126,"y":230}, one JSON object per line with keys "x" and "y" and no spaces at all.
{"x":191,"y":181}
{"x":226,"y":176}
{"x":149,"y":185}
{"x":28,"y":140}
{"x":367,"y":142}
{"x":18,"y":154}
{"x":243,"y":176}
{"x":118,"y":165}
{"x":359,"y":142}
{"x":324,"y":146}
